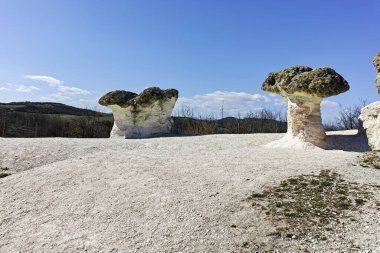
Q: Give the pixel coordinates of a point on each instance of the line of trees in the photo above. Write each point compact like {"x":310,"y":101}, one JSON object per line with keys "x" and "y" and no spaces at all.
{"x":21,"y":124}
{"x":261,"y":121}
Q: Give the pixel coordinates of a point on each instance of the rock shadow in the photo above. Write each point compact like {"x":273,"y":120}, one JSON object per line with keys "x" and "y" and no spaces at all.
{"x":352,"y":143}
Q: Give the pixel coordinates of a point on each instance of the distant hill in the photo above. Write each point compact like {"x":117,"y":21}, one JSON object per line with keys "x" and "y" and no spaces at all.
{"x":37,"y":119}
{"x":48,"y":108}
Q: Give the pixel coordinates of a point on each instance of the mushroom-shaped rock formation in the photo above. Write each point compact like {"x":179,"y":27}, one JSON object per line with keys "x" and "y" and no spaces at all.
{"x":376,"y":63}
{"x":304,"y":88}
{"x":141,"y":115}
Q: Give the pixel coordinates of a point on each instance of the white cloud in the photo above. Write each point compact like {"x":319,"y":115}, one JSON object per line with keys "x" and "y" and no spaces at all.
{"x":73,"y":90}
{"x":4,"y":89}
{"x":279,"y":101}
{"x":47,"y":79}
{"x":20,"y":88}
{"x":26,"y":89}
{"x":54,"y":82}
{"x":55,"y":97}
{"x":328,"y":103}
{"x":232,"y":102}
{"x":93,"y":100}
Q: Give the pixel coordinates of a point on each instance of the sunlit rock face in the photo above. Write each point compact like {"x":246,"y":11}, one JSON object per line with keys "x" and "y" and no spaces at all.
{"x":369,"y":116}
{"x":370,"y":121}
{"x":305,"y":120}
{"x":304,"y":88}
{"x":376,"y":63}
{"x":147,"y":114}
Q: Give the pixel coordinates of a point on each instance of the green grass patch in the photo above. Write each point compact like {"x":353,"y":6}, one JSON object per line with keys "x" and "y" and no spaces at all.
{"x":370,"y":159}
{"x":309,"y":204}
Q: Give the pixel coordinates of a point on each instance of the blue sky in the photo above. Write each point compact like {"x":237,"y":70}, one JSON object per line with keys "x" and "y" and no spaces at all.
{"x":213,"y":52}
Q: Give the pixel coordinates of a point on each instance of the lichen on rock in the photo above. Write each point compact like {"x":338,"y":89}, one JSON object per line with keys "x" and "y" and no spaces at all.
{"x":141,"y":115}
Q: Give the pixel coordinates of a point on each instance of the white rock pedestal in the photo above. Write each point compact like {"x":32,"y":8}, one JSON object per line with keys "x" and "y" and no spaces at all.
{"x":305,"y":129}
{"x":142,"y":122}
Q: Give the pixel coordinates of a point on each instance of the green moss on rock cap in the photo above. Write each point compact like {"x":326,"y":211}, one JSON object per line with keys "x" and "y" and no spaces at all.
{"x":117,"y":97}
{"x":321,"y":82}
{"x":125,"y":98}
{"x":376,"y":62}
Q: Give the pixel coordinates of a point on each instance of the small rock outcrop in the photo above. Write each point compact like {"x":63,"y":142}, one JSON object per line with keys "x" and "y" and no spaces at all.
{"x":147,"y":114}
{"x":376,"y":63}
{"x":304,"y":88}
{"x":369,"y":115}
{"x":370,"y":124}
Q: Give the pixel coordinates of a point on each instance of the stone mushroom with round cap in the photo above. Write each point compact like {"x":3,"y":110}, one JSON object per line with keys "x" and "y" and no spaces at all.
{"x":304,"y":88}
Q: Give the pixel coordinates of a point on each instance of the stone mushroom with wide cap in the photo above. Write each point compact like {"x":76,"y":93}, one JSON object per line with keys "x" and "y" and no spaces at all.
{"x":147,"y":114}
{"x":304,"y":88}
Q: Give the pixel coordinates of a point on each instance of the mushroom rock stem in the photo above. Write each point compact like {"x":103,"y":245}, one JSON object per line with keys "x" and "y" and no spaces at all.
{"x":304,"y":119}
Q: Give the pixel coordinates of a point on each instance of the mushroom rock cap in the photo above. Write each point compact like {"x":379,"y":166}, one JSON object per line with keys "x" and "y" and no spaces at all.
{"x":117,"y":97}
{"x":321,"y":82}
{"x":376,"y":62}
{"x":125,"y":98}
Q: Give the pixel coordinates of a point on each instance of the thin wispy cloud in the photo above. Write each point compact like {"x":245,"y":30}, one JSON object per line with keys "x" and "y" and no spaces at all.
{"x":93,"y":100}
{"x":4,"y":89}
{"x":58,"y":84}
{"x":19,"y":88}
{"x":279,"y":101}
{"x":47,"y":79}
{"x":328,"y":103}
{"x":232,"y":102}
{"x":73,"y":90}
{"x":55,"y":97}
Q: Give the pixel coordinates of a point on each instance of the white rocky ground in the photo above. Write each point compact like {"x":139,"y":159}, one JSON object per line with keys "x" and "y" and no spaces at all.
{"x":175,"y":194}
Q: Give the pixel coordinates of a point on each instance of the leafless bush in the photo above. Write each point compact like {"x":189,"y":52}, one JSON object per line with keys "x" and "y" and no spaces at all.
{"x":261,"y":121}
{"x":348,"y":116}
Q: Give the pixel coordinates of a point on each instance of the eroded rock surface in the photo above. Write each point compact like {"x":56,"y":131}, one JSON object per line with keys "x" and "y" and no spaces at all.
{"x":369,"y":116}
{"x":370,"y":121}
{"x":141,"y":115}
{"x":376,"y":63}
{"x":304,"y":88}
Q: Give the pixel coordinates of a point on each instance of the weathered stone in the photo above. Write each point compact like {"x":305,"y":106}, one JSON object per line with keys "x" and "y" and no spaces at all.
{"x":376,"y":63}
{"x":141,"y":115}
{"x":304,"y":88}
{"x":370,"y":122}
